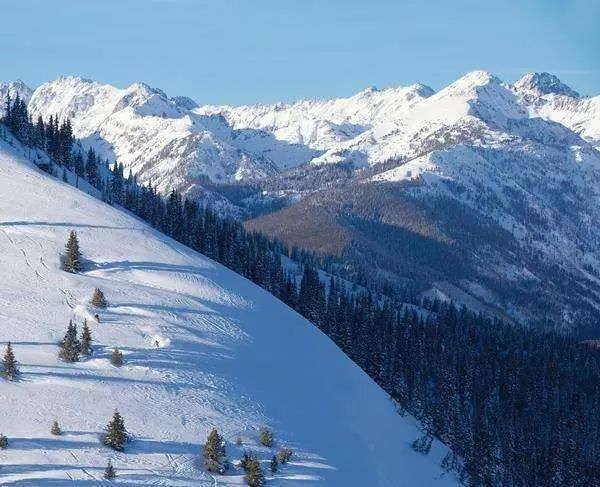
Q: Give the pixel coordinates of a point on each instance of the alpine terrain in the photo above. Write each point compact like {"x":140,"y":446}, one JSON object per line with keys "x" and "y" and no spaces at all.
{"x":484,"y":193}
{"x":179,"y":344}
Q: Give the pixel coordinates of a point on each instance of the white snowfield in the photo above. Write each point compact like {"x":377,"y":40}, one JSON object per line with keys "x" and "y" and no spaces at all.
{"x":203,"y":348}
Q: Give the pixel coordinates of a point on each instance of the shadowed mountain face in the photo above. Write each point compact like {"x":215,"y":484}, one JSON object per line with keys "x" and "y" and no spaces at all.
{"x":483,"y":192}
{"x":486,"y":205}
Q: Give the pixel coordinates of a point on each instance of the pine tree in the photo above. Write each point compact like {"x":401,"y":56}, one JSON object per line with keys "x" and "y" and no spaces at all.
{"x":3,"y":442}
{"x":423,"y":444}
{"x":72,"y":259}
{"x":85,"y":343}
{"x":116,"y":434}
{"x":10,"y":370}
{"x":7,"y":111}
{"x":79,"y":165}
{"x":284,"y":455}
{"x":72,"y":332}
{"x":55,"y":429}
{"x":109,"y":472}
{"x":214,"y":453}
{"x":244,"y":460}
{"x":254,"y":474}
{"x":116,"y":358}
{"x":98,"y":299}
{"x":266,"y":437}
{"x":274,"y":464}
{"x":449,"y":462}
{"x":91,"y":168}
{"x":70,"y":347}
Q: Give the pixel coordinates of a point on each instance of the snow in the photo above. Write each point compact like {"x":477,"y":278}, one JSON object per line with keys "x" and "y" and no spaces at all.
{"x":13,"y":89}
{"x":228,"y":356}
{"x":411,"y":170}
{"x":175,"y":142}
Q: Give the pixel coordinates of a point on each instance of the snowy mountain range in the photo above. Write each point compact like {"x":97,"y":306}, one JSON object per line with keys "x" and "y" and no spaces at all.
{"x":496,"y":185}
{"x":174,"y":142}
{"x":202,"y":347}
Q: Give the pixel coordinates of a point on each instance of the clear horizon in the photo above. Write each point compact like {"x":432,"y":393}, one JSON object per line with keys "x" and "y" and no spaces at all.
{"x":267,"y":51}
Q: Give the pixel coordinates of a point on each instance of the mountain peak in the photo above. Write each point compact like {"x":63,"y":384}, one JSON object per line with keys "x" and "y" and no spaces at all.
{"x":184,"y":102}
{"x":544,"y":84}
{"x":14,"y":88}
{"x":475,"y":78}
{"x":20,"y":85}
{"x":72,"y":80}
{"x":145,"y":90}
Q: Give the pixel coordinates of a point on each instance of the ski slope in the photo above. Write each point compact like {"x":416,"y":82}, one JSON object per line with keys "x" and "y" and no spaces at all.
{"x":229,"y":356}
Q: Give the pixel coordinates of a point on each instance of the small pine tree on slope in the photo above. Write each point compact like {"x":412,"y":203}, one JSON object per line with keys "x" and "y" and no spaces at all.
{"x":266,"y":437}
{"x":9,"y":364}
{"x":116,"y":358}
{"x":98,"y":299}
{"x":214,"y":453}
{"x":116,"y":434}
{"x":72,"y":259}
{"x":85,"y":343}
{"x":55,"y":429}
{"x":70,"y":346}
{"x":284,"y":455}
{"x":254,"y":474}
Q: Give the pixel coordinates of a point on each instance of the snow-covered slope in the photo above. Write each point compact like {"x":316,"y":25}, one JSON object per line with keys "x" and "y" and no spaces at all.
{"x":321,"y":126}
{"x":203,"y":348}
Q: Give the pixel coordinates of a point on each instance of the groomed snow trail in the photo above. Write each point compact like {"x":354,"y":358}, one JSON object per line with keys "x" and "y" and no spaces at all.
{"x":203,"y":348}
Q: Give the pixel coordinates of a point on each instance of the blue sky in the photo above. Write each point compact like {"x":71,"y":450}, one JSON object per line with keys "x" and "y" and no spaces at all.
{"x":247,"y":51}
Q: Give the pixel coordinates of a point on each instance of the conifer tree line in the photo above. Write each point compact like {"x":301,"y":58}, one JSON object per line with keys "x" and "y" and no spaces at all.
{"x":55,"y":137}
{"x":516,"y":406}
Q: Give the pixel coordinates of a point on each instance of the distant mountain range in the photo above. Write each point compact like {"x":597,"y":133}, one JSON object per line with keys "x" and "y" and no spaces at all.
{"x":483,"y":192}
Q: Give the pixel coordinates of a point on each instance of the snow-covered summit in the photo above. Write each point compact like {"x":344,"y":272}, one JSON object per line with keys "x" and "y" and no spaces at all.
{"x":538,"y":84}
{"x":544,"y":95}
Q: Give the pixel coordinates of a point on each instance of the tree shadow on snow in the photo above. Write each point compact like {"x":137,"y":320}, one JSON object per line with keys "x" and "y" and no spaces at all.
{"x":49,"y":444}
{"x":149,"y":446}
{"x":111,"y":379}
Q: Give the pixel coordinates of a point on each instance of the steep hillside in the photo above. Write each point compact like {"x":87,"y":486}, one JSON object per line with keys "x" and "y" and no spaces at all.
{"x":202,"y":347}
